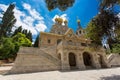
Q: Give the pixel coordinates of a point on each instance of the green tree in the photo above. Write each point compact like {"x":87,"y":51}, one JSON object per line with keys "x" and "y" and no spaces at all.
{"x":117,"y":32}
{"x":94,"y":33}
{"x":8,"y":21}
{"x":60,"y":4}
{"x":18,"y":30}
{"x":105,"y":23}
{"x":21,"y":40}
{"x":104,"y":4}
{"x":10,"y":46}
{"x":7,"y":48}
{"x":115,"y":48}
{"x":24,"y":31}
{"x":29,"y":35}
{"x":36,"y":44}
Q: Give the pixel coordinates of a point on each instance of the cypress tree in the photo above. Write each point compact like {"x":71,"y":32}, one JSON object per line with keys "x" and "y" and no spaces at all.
{"x":8,"y":21}
{"x":36,"y":42}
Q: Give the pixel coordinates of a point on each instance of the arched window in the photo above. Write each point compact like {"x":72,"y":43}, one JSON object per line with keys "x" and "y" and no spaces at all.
{"x":49,"y":41}
{"x":80,"y":32}
{"x":70,"y":42}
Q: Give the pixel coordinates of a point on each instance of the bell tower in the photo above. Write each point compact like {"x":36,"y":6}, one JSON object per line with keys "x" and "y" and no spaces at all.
{"x":80,"y":31}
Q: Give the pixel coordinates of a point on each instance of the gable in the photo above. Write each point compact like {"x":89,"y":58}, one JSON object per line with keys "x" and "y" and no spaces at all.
{"x":70,"y":34}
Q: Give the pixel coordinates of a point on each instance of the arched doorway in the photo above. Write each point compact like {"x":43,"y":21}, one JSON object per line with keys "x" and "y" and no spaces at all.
{"x":87,"y":60}
{"x":72,"y":61}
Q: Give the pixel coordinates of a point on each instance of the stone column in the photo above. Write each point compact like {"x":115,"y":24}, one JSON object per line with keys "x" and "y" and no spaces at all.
{"x":95,"y":61}
{"x":80,"y":63}
{"x":105,"y":61}
{"x":65,"y":61}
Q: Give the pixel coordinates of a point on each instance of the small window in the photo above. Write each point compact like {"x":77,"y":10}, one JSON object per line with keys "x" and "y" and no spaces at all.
{"x":58,"y":32}
{"x":49,"y":41}
{"x":70,"y":42}
{"x":83,"y":44}
{"x":80,"y":32}
{"x":58,"y":41}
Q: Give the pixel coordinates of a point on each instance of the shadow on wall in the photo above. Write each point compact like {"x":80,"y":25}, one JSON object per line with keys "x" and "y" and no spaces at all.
{"x":113,"y":77}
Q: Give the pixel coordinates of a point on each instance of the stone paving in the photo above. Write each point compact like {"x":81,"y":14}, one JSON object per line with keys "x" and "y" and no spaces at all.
{"x":100,"y":74}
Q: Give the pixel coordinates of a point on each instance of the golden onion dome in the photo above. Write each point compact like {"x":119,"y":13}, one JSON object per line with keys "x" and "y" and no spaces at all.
{"x":78,"y":21}
{"x":60,"y":20}
{"x":56,"y":19}
{"x":65,"y":21}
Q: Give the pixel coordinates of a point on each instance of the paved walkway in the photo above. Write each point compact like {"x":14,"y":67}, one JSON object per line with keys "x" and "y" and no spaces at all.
{"x":5,"y":68}
{"x":101,"y":74}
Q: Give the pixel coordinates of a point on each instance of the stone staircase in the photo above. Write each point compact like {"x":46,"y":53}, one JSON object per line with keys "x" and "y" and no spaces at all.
{"x":41,"y":52}
{"x":50,"y":57}
{"x":110,"y":57}
{"x":50,"y":50}
{"x":114,"y":60}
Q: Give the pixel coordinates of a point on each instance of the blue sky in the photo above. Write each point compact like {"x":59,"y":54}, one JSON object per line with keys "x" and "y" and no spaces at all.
{"x":34,"y":15}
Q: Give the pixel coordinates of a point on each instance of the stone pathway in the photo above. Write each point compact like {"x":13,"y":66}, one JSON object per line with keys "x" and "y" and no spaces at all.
{"x":100,"y":74}
{"x":4,"y":69}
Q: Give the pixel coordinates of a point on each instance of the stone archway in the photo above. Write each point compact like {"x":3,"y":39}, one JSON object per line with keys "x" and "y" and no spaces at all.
{"x":87,"y":60}
{"x":72,"y":61}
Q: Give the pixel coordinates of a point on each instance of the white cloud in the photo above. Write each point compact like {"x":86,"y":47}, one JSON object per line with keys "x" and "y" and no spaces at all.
{"x":32,"y":21}
{"x":3,"y":8}
{"x":63,"y":16}
{"x":34,"y":14}
{"x":40,"y":27}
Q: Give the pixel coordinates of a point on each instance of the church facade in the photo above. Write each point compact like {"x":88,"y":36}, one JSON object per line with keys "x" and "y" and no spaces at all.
{"x":60,"y":49}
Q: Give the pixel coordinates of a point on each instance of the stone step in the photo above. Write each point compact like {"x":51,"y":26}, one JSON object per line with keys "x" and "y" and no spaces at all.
{"x":7,"y":64}
{"x":26,"y":50}
{"x":48,"y":56}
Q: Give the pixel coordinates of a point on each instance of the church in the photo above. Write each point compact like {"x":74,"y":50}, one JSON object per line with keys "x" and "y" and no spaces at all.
{"x":60,"y":49}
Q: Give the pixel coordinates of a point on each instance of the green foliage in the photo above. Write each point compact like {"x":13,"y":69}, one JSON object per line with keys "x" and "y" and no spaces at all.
{"x":10,"y":46}
{"x":36,"y":44}
{"x":24,"y":31}
{"x":101,"y":26}
{"x":105,"y":21}
{"x":8,"y":21}
{"x":7,"y":48}
{"x":21,"y":40}
{"x":94,"y":32}
{"x":18,"y":30}
{"x":104,"y":4}
{"x":115,"y":48}
{"x":29,"y":36}
{"x":117,"y":32}
{"x":61,"y":4}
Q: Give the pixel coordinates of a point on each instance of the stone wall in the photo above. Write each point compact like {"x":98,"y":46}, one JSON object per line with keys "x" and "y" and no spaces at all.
{"x":34,"y":60}
{"x":114,"y":60}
